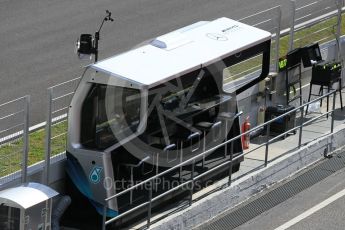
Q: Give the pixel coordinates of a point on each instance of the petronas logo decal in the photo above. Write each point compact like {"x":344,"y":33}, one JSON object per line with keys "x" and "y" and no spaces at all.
{"x":95,"y":175}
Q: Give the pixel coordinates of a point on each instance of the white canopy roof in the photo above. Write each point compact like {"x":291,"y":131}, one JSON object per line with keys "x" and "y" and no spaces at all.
{"x":26,"y":196}
{"x":183,"y":50}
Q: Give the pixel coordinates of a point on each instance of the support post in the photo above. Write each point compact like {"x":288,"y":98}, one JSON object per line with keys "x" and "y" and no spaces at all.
{"x":231,"y":164}
{"x":48,"y":137}
{"x":277,"y":39}
{"x":301,"y":129}
{"x":292,"y":24}
{"x":267,"y":143}
{"x":25,"y":139}
{"x":149,"y":211}
{"x":339,"y":4}
{"x":104,"y":217}
{"x":192,"y":184}
{"x":96,"y":46}
{"x":333,"y":111}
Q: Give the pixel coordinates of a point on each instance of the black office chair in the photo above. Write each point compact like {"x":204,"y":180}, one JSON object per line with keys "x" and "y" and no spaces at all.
{"x":132,"y":167}
{"x":166,"y":150}
{"x":193,"y":140}
{"x":207,"y":127}
{"x":228,"y":117}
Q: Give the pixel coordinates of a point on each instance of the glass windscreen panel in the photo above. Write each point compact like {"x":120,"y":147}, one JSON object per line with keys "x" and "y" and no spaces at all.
{"x":241,"y":73}
{"x":9,"y":218}
{"x":109,"y":115}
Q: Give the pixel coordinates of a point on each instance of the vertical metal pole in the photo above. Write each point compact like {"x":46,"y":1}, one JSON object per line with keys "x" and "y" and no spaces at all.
{"x":25,"y":139}
{"x":277,"y":39}
{"x":333,"y":110}
{"x":150,"y":207}
{"x":301,"y":129}
{"x":267,"y":143}
{"x":287,"y":85}
{"x":192,"y":185}
{"x":300,"y":83}
{"x":181,"y":158}
{"x":231,"y":157}
{"x":338,"y":32}
{"x":96,"y":45}
{"x":203,"y":149}
{"x":132,"y":184}
{"x":157,"y":171}
{"x":328,"y":91}
{"x":292,"y":24}
{"x":104,"y":218}
{"x":48,"y":136}
{"x":226,"y":138}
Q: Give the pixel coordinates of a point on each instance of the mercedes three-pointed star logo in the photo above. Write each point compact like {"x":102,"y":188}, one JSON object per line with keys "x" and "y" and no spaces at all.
{"x":218,"y":37}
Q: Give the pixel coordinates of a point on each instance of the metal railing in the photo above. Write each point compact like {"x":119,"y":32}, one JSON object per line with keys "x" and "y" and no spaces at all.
{"x":59,"y":98}
{"x":269,"y":20}
{"x":228,"y":162}
{"x":60,"y":95}
{"x":306,"y":16}
{"x":14,"y":139}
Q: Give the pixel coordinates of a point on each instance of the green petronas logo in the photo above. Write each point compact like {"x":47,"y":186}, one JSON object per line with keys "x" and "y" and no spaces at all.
{"x":95,"y":175}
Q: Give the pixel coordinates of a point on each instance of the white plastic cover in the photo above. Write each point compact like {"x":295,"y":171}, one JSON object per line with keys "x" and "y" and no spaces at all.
{"x":182,"y":51}
{"x":26,"y":195}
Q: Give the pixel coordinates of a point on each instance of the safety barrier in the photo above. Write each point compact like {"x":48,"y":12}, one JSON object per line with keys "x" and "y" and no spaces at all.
{"x":14,"y":139}
{"x":59,"y":98}
{"x":269,"y":20}
{"x":307,"y":27}
{"x":228,"y":162}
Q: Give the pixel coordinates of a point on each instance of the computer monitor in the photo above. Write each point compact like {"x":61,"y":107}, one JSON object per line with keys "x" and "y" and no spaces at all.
{"x":311,"y":54}
{"x":293,"y":57}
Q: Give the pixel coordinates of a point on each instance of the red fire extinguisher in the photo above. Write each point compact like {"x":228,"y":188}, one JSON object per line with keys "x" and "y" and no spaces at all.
{"x":246,"y":137}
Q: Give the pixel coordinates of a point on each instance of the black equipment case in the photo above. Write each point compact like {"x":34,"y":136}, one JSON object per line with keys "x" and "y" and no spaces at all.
{"x":283,"y":124}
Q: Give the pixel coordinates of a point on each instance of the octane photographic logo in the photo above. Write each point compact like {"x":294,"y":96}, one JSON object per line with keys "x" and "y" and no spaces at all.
{"x":166,"y":134}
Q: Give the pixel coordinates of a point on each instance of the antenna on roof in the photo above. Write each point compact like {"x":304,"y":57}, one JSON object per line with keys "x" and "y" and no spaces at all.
{"x":87,"y":44}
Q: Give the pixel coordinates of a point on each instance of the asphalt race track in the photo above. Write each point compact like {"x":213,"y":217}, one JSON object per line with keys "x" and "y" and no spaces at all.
{"x":37,"y":37}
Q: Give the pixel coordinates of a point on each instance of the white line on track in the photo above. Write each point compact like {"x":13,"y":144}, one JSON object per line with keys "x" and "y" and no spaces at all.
{"x":312,"y":210}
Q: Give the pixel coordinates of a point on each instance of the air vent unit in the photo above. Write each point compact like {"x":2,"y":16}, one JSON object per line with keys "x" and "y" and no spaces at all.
{"x":170,"y":41}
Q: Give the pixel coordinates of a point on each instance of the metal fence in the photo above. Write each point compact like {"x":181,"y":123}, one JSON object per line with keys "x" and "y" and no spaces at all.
{"x":60,"y":95}
{"x":269,"y":20}
{"x":306,"y":26}
{"x":302,"y":32}
{"x":14,"y":115}
{"x":59,"y":98}
{"x":228,"y":162}
{"x":14,"y":139}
